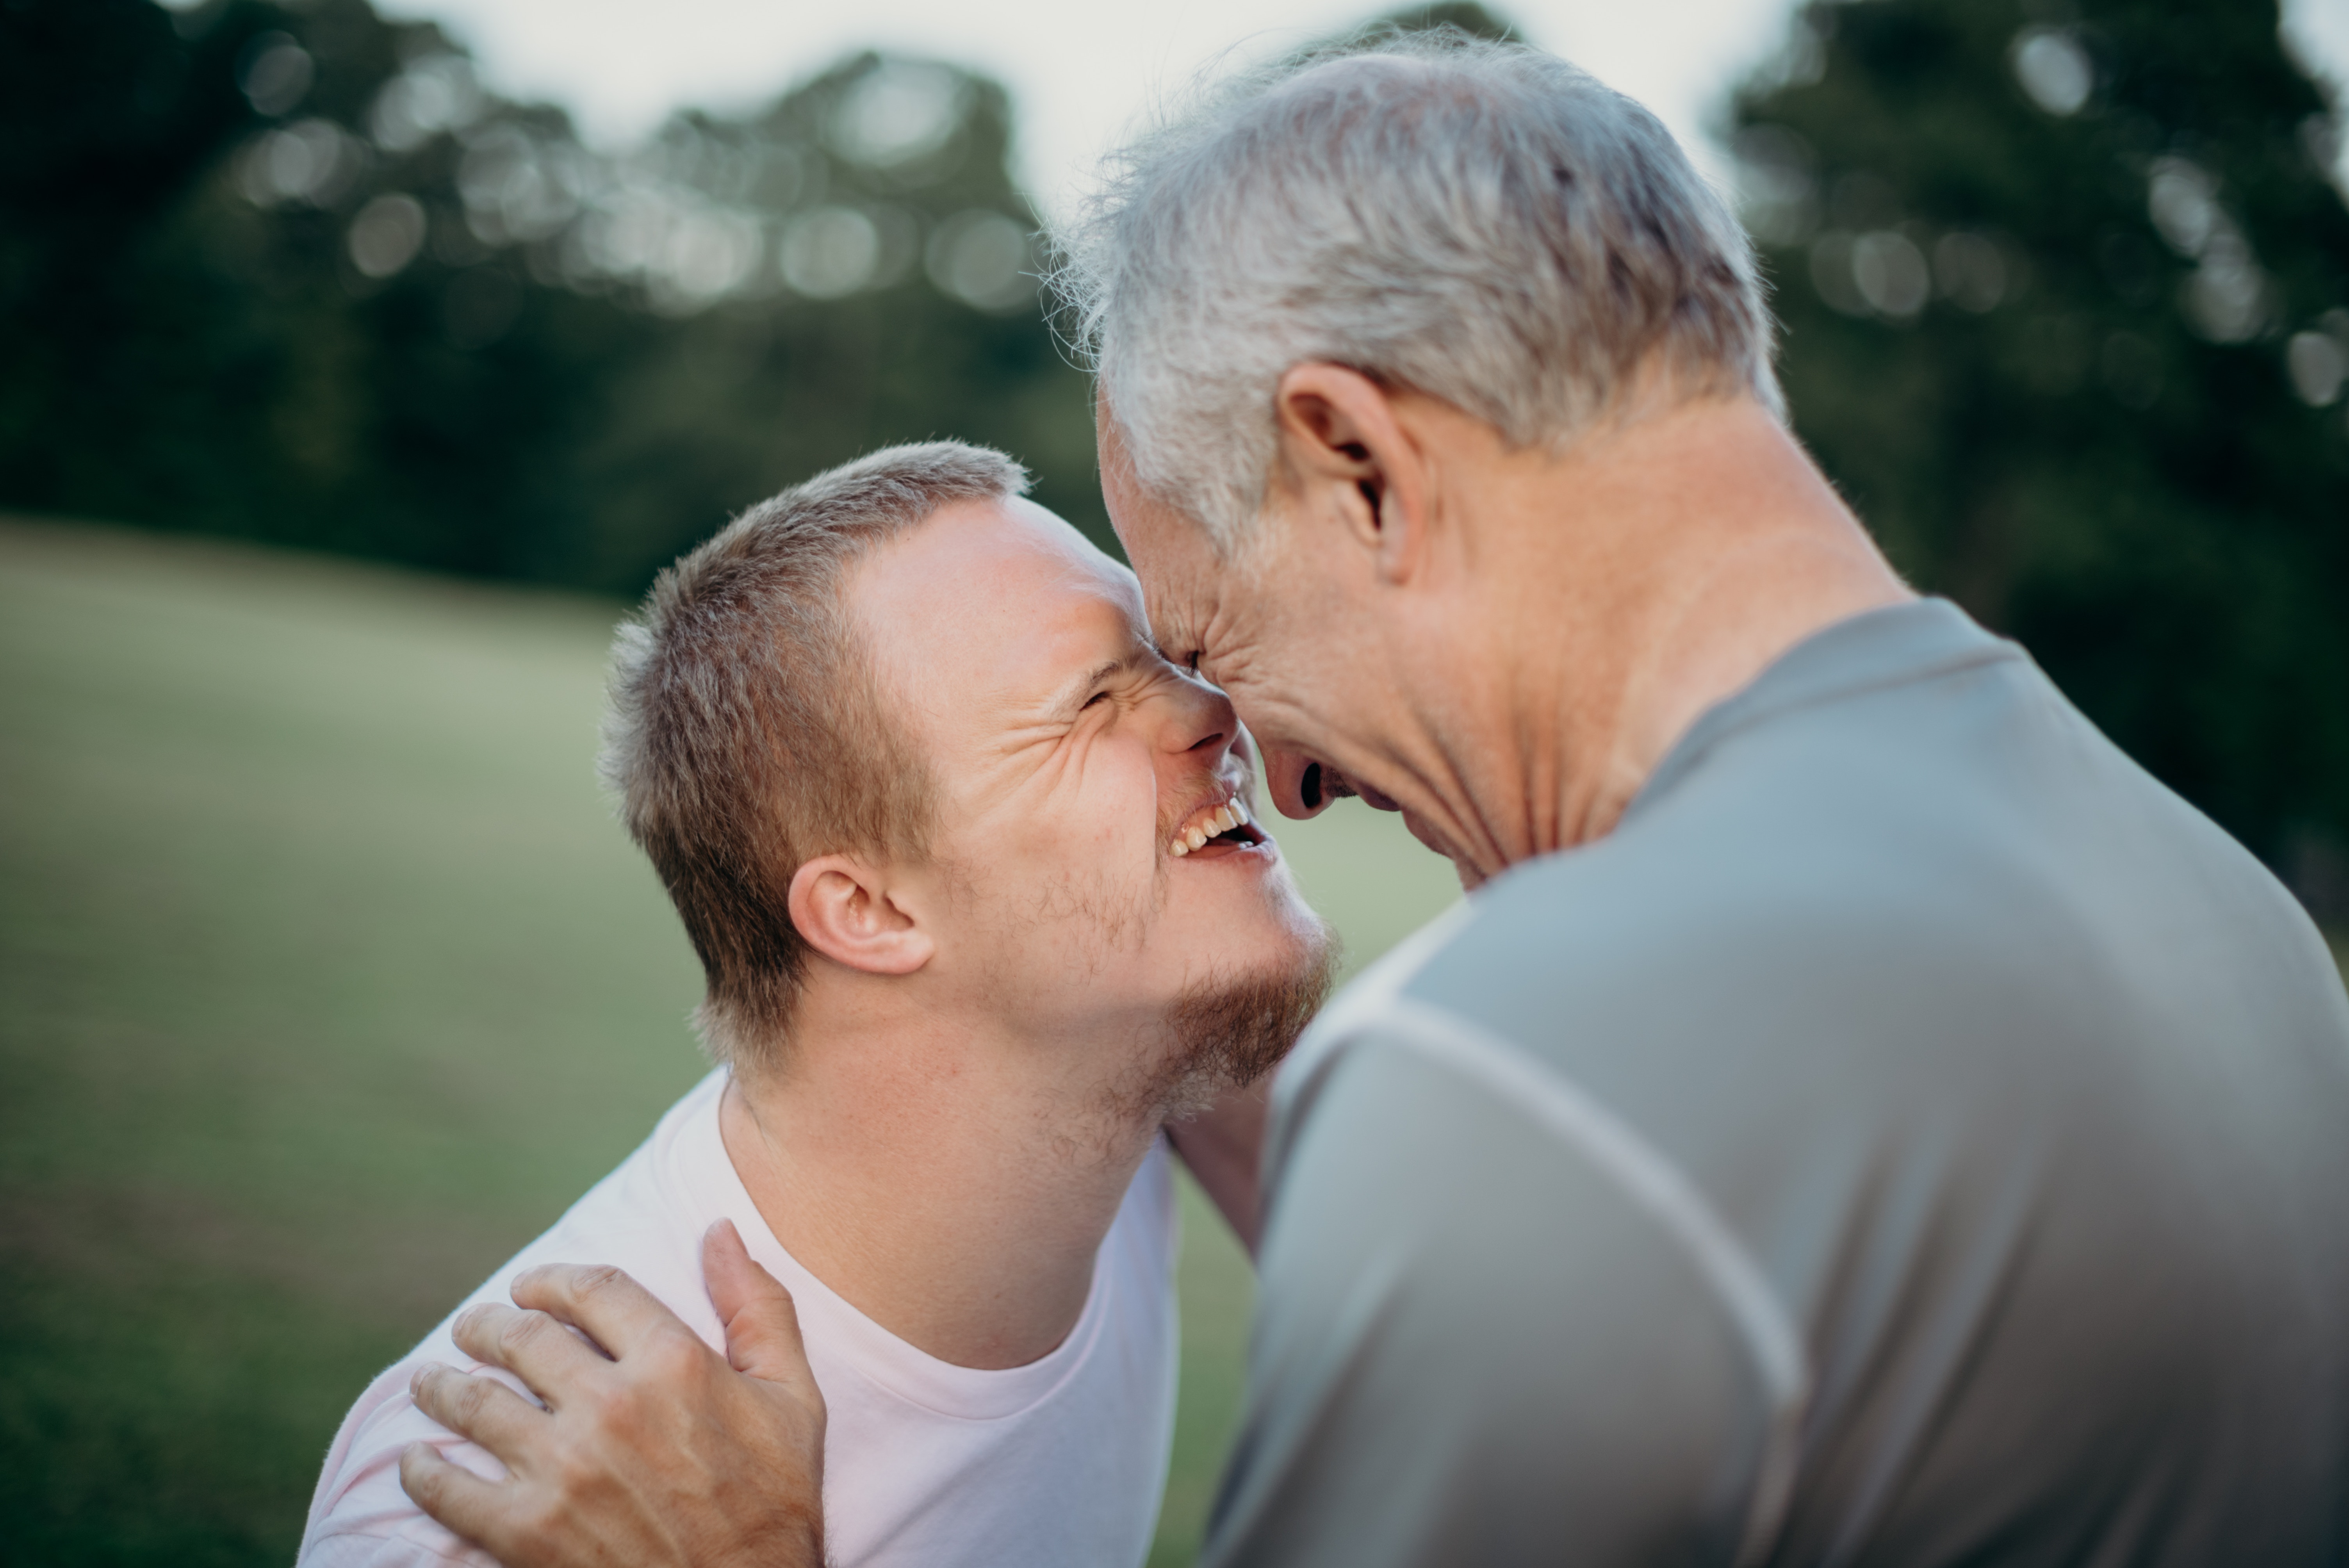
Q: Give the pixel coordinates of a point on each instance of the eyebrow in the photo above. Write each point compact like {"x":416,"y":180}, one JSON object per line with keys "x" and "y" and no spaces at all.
{"x":1075,"y":691}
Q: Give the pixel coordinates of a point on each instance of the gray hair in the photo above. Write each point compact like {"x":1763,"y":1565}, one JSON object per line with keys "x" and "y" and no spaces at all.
{"x":746,"y":735}
{"x":1478,"y":220}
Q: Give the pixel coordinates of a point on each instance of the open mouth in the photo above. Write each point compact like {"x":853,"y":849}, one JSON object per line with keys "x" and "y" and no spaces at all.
{"x":1223,"y":828}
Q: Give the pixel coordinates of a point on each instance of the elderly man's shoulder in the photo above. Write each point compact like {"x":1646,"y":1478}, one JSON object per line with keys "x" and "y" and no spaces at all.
{"x":1888,"y":959}
{"x":1840,"y":874}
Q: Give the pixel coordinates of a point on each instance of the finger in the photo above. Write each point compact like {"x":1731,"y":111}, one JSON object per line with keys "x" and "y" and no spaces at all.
{"x":762,"y":1324}
{"x":481,"y":1409}
{"x":620,"y":1315}
{"x":450,"y":1493}
{"x":532,"y":1345}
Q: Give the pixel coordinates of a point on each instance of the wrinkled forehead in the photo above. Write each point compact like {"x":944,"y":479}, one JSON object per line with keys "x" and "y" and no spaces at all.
{"x":982,"y":613}
{"x":1179,"y":568}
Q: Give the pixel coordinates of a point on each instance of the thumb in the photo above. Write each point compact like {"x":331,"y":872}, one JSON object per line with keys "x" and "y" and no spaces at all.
{"x":762,"y":1326}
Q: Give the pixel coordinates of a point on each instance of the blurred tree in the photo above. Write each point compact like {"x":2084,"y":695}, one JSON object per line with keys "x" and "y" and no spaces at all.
{"x":903,"y":304}
{"x":2066,"y":290}
{"x":2062,"y":288}
{"x":287,"y":272}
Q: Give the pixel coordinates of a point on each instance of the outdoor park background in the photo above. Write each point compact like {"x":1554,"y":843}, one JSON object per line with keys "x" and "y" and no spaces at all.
{"x":343,"y":404}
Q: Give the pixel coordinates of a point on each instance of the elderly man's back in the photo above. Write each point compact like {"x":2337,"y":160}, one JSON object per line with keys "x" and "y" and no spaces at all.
{"x":1914,"y":1136}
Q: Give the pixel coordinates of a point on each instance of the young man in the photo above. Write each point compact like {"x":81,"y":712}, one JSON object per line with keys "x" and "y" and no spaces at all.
{"x":973,"y":875}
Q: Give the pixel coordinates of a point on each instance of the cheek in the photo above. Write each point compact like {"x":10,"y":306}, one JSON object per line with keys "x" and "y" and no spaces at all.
{"x":1102,"y":810}
{"x":1298,"y":654}
{"x":1311,"y":688}
{"x":1083,"y":850}
{"x":1276,"y":717}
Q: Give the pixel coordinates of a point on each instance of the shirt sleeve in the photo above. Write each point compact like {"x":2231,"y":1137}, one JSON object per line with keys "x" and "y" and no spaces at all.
{"x":383,"y":1551}
{"x":1478,"y":1342}
{"x":361,"y":1516}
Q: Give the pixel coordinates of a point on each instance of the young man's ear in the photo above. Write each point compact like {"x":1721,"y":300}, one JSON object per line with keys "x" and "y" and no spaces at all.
{"x":844,"y":910}
{"x":1351,"y":454}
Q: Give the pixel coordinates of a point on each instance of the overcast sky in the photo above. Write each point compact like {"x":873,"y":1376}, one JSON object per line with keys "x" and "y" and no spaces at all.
{"x":1079,"y":70}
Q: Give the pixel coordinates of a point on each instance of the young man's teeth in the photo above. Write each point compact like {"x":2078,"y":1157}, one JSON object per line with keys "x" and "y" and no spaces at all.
{"x":1231,"y":814}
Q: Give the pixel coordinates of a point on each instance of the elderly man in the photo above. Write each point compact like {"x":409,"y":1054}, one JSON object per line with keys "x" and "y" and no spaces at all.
{"x":1859,"y":1117}
{"x":973,"y":874}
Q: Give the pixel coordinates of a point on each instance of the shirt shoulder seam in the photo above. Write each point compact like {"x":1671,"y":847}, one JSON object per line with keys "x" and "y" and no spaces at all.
{"x":1735,"y":719}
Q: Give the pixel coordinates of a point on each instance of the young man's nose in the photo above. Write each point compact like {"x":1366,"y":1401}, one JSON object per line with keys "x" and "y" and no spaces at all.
{"x":1203,"y":725}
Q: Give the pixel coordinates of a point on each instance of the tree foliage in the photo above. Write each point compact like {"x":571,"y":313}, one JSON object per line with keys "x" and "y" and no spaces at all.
{"x":287,"y":272}
{"x":2063,"y":290}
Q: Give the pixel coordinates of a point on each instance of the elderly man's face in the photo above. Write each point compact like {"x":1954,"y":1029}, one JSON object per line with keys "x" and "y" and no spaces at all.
{"x":1281,"y":633}
{"x":1101,"y":863}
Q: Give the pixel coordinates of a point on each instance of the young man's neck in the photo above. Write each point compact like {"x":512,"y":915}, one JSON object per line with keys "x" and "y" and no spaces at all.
{"x":1652,"y":571}
{"x":946,"y":1199}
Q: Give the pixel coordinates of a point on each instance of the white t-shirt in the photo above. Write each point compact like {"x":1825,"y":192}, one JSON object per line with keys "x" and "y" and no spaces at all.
{"x":1060,"y":1462}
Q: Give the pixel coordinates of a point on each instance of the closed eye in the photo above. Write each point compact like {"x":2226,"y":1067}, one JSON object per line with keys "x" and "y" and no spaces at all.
{"x":1097,"y":696}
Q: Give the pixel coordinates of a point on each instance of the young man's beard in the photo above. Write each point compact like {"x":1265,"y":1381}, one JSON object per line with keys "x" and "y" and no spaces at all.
{"x":1227,"y":1033}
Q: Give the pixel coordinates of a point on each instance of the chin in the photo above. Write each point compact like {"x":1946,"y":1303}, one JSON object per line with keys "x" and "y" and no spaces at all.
{"x":1237,"y":1019}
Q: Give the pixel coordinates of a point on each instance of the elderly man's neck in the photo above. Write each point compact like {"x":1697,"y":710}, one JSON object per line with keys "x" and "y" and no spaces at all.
{"x":1626,"y":587}
{"x":934,"y":1178}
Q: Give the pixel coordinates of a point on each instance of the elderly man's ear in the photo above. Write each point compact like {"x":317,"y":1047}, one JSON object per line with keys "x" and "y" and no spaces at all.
{"x":852,"y":913}
{"x":1350,"y":449}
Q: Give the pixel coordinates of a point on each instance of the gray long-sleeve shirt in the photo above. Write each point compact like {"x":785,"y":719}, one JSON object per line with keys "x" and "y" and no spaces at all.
{"x":1913,"y":1136}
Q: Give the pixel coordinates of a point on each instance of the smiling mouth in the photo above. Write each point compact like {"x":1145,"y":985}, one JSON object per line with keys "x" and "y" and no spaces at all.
{"x":1224,"y":826}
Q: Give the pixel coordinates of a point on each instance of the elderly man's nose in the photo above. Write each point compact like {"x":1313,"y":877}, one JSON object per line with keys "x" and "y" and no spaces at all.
{"x":1299,"y":786}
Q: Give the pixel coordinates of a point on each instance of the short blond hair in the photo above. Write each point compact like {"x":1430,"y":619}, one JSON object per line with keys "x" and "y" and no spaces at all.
{"x":746,"y":735}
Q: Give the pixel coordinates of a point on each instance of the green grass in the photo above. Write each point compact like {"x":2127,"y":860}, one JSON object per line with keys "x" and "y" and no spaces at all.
{"x":325,"y":981}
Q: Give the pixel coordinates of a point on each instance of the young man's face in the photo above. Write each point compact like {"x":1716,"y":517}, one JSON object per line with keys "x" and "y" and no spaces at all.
{"x":1100,"y":868}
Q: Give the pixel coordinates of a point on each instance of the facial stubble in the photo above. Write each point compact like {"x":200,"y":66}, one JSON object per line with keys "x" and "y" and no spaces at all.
{"x":1227,"y":1032}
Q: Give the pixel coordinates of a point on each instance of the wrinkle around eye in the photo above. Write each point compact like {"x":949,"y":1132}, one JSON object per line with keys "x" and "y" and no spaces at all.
{"x":1067,"y":760}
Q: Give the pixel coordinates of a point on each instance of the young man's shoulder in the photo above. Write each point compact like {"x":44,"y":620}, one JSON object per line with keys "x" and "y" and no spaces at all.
{"x":644,"y":1218}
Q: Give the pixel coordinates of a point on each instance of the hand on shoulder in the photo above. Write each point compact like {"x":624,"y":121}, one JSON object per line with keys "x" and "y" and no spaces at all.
{"x":655,"y":1452}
